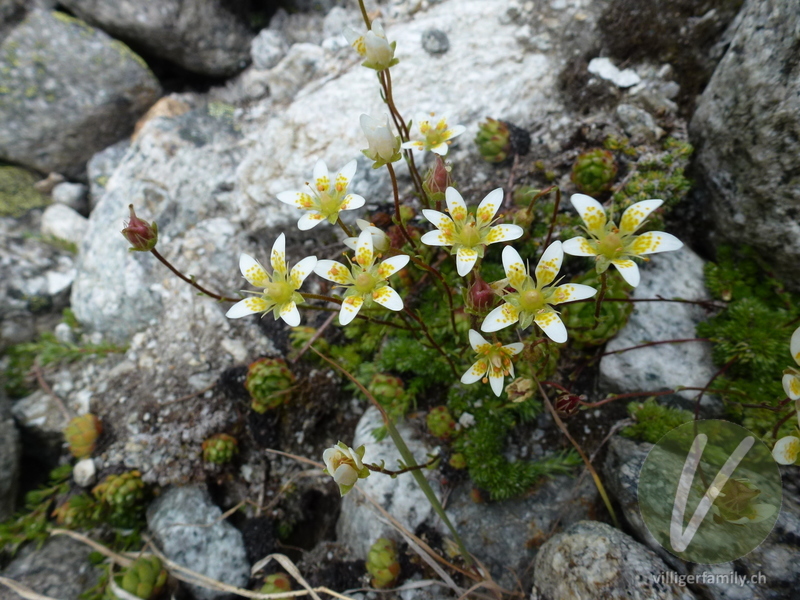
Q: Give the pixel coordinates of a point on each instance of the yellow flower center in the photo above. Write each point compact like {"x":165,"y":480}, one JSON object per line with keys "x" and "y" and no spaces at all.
{"x":470,"y":234}
{"x":610,"y":245}
{"x":329,"y":204}
{"x":365,"y":283}
{"x":280,"y":292}
{"x":531,"y":301}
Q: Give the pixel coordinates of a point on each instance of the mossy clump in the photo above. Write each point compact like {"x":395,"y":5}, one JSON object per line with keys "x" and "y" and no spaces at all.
{"x":17,"y":192}
{"x":579,"y":318}
{"x":269,"y":382}
{"x":594,"y":171}
{"x":220,"y":448}
{"x":145,"y":578}
{"x":440,"y":422}
{"x":124,"y":495}
{"x":653,"y":420}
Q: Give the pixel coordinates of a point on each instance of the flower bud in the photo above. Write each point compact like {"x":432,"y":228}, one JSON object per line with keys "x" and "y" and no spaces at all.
{"x":373,"y":46}
{"x":566,"y":405}
{"x":437,"y":180}
{"x":142,"y":236}
{"x":480,"y":296}
{"x":384,"y":146}
{"x":345,"y":466}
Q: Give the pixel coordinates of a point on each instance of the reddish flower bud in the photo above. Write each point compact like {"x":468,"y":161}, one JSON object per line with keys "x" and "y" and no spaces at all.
{"x":437,"y":180}
{"x":481,"y":295}
{"x":566,"y":405}
{"x":142,"y":236}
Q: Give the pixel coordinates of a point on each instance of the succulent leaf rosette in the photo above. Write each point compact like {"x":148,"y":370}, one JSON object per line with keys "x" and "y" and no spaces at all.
{"x":280,"y":287}
{"x":468,"y":234}
{"x":325,"y":199}
{"x":532,"y":300}
{"x":612,"y":245}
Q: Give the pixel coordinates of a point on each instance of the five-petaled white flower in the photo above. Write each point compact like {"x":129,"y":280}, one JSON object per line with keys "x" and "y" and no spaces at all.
{"x":345,"y":465}
{"x":435,"y":133}
{"x":787,"y":449}
{"x":468,"y":234}
{"x":791,"y":376}
{"x":380,"y":241}
{"x":373,"y":46}
{"x":364,"y":281}
{"x":612,"y":245}
{"x":494,"y":362}
{"x":532,"y":300}
{"x":280,"y":293}
{"x":324,"y":199}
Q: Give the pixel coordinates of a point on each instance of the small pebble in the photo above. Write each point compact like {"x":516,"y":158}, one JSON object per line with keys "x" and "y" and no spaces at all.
{"x":84,"y":472}
{"x":435,"y":41}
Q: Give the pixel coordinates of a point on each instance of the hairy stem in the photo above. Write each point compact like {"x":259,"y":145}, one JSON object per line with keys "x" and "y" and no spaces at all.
{"x":397,"y":216}
{"x":191,"y":280}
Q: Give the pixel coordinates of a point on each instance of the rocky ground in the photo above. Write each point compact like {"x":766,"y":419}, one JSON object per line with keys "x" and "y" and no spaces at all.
{"x":199,"y":113}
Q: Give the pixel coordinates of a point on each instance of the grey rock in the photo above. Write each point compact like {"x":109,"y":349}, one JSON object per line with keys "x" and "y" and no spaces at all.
{"x":69,"y":91}
{"x":268,"y":48}
{"x":638,"y":124}
{"x":100,"y":168}
{"x":593,"y":560}
{"x":59,"y":569}
{"x":301,"y":64}
{"x":202,"y":36}
{"x":746,"y":130}
{"x":505,"y":536}
{"x":10,"y":452}
{"x":669,"y":275}
{"x":64,"y":223}
{"x":65,"y":334}
{"x":358,"y":527}
{"x":603,"y":67}
{"x":71,"y":194}
{"x":435,"y":41}
{"x":186,"y":525}
{"x":42,"y":421}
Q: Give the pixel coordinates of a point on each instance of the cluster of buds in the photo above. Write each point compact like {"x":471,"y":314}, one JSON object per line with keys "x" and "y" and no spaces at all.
{"x":81,"y":434}
{"x":383,"y":563}
{"x":269,"y":382}
{"x":145,"y":578}
{"x":220,"y":448}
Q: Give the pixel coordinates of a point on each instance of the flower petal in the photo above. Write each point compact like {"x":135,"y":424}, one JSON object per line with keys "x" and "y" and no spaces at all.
{"x":654,"y":241}
{"x":477,"y":341}
{"x":552,"y":325}
{"x":786,"y":450}
{"x":277,"y":257}
{"x":635,"y":215}
{"x":496,"y":381}
{"x":350,"y":242}
{"x":454,"y":131}
{"x":794,"y":345}
{"x":502,"y":316}
{"x":573,"y":291}
{"x":253,"y":272}
{"x":628,"y":269}
{"x":310,"y":220}
{"x":333,"y":271}
{"x":345,"y":175}
{"x":549,"y":265}
{"x":302,"y":270}
{"x":514,"y":349}
{"x":455,"y":204}
{"x":392,"y":265}
{"x":465,"y":260}
{"x":248,"y":306}
{"x":489,"y":206}
{"x":388,"y":298}
{"x":350,"y":307}
{"x":290,"y":314}
{"x":364,"y":253}
{"x":440,"y":220}
{"x":791,"y":385}
{"x":578,"y":246}
{"x":590,"y":210}
{"x":476,"y":372}
{"x":322,"y":182}
{"x":504,"y":233}
{"x":413,"y":145}
{"x":436,"y":238}
{"x":298,"y":199}
{"x":440,"y":149}
{"x":352,"y":202}
{"x":514,"y":267}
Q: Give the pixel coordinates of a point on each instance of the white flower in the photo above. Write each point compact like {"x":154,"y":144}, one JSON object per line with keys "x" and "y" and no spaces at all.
{"x":325,"y":199}
{"x":435,"y":133}
{"x":532,"y":299}
{"x":280,"y":288}
{"x":373,"y":45}
{"x":364,"y":281}
{"x":384,"y":146}
{"x":786,"y":450}
{"x":380,"y":241}
{"x":494,"y":361}
{"x":468,"y":234}
{"x":615,"y":246}
{"x":791,"y":376}
{"x":345,"y":465}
